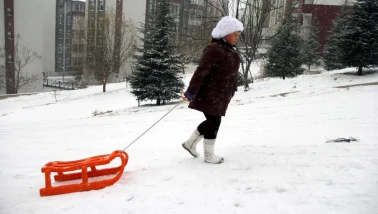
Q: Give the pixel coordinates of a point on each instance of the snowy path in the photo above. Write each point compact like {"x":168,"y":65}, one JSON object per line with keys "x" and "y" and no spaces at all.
{"x":276,"y":158}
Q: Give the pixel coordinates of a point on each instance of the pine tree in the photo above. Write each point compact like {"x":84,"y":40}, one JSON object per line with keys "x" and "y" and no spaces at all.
{"x":284,"y":58}
{"x":359,"y":44}
{"x":310,"y":47}
{"x":158,"y":65}
{"x":332,"y":51}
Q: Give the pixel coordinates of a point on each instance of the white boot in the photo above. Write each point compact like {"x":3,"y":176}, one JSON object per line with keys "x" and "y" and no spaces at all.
{"x":208,"y":149}
{"x":191,"y":144}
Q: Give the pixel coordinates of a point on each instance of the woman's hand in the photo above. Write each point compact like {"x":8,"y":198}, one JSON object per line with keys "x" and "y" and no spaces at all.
{"x":187,"y":96}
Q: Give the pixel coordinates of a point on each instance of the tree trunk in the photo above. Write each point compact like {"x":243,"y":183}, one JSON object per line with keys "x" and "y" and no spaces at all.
{"x":245,"y":75}
{"x":359,"y":72}
{"x":158,"y":101}
{"x":104,"y":85}
{"x":309,"y":67}
{"x":283,"y":77}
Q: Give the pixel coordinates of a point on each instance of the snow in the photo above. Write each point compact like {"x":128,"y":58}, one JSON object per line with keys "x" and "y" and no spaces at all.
{"x":276,"y":158}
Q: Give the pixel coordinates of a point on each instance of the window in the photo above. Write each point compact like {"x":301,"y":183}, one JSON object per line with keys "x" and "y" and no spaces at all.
{"x":101,"y":23}
{"x":68,"y":6}
{"x":77,"y":61}
{"x":61,"y":6}
{"x":91,"y":5}
{"x":81,"y":48}
{"x":10,"y":35}
{"x":295,"y":4}
{"x":307,"y":20}
{"x":9,"y":11}
{"x":68,"y":35}
{"x":77,"y":6}
{"x":68,"y":20}
{"x":10,"y":59}
{"x":68,"y":62}
{"x":100,"y":42}
{"x":60,"y":34}
{"x":76,"y":48}
{"x":119,"y":1}
{"x":60,"y":48}
{"x":91,"y":22}
{"x":60,"y":19}
{"x":101,"y":5}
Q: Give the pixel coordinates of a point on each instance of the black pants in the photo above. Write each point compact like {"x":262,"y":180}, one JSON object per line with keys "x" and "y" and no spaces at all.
{"x":209,"y":128}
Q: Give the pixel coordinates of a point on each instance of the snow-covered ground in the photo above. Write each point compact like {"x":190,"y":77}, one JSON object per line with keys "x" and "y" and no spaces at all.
{"x":273,"y":139}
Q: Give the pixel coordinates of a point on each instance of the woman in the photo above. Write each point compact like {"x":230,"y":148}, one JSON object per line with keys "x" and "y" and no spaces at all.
{"x":212,"y":86}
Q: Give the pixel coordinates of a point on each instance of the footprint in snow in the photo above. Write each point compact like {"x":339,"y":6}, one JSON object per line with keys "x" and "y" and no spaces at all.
{"x":167,"y":179}
{"x":281,"y":190}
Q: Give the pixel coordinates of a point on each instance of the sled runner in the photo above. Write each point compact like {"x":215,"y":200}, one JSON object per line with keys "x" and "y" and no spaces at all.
{"x":61,"y":167}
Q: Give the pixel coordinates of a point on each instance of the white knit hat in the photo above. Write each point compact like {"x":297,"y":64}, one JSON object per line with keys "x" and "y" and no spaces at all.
{"x":225,"y":26}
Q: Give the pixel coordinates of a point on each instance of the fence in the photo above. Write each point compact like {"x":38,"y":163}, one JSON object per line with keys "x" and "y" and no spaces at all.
{"x":60,"y":84}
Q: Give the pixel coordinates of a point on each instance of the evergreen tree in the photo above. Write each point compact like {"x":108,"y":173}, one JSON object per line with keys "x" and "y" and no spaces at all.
{"x":332,"y":51}
{"x":158,"y":65}
{"x":284,"y":58}
{"x":359,"y":44}
{"x":310,"y":47}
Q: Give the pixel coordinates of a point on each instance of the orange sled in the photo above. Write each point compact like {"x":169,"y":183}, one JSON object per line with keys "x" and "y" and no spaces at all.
{"x":61,"y":167}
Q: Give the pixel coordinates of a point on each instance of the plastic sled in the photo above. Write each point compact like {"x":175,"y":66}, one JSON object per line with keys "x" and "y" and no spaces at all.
{"x":61,"y":167}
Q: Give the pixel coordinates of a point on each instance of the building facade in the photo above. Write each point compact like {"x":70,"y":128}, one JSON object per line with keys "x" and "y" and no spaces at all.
{"x":54,"y":30}
{"x":78,"y":37}
{"x":33,"y":24}
{"x":9,"y":48}
{"x":305,"y":12}
{"x":68,"y":43}
{"x":95,"y":19}
{"x":324,"y":14}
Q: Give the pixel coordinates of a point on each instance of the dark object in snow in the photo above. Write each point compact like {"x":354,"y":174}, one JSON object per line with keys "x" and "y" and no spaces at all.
{"x":97,"y":112}
{"x":342,"y":140}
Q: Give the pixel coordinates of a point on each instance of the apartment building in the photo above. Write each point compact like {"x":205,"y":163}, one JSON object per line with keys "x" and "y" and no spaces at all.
{"x":305,"y":11}
{"x":96,"y":10}
{"x":324,"y":12}
{"x":69,"y":43}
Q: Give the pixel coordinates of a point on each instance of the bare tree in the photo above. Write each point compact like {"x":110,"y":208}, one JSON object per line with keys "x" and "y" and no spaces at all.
{"x":23,"y":56}
{"x":195,"y":28}
{"x":128,"y":69}
{"x":255,"y":15}
{"x":115,"y":44}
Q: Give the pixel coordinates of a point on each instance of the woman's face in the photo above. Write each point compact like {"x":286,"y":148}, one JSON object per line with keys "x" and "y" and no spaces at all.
{"x":232,"y":38}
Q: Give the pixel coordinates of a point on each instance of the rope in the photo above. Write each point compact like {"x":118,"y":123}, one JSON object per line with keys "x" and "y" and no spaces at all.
{"x":153,"y":125}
